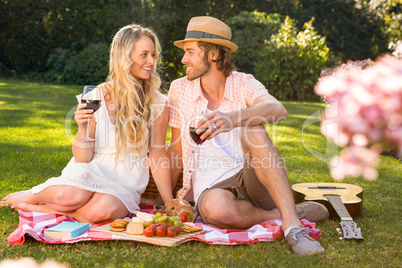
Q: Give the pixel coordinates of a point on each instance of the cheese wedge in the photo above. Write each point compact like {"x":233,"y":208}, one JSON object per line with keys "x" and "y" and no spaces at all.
{"x":137,"y":219}
{"x":144,"y":216}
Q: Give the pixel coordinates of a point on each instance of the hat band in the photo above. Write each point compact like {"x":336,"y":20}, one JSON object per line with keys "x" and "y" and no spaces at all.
{"x":203,"y":35}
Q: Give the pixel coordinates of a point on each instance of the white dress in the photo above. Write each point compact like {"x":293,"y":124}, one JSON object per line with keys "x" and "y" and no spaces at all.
{"x":124,"y":178}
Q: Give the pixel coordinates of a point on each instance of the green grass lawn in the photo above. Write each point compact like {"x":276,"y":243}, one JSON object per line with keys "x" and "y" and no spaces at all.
{"x":36,"y":142}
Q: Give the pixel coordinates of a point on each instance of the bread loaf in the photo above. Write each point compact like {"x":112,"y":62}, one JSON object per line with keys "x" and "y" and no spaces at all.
{"x":176,"y":206}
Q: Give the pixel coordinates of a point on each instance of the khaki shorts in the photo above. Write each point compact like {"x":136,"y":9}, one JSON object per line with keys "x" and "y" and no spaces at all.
{"x":244,"y":185}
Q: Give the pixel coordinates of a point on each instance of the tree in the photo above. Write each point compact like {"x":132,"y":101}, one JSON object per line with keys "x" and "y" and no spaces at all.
{"x":32,"y":29}
{"x":352,"y":31}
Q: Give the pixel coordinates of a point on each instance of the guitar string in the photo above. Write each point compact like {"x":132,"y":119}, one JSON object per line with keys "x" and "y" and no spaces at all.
{"x":338,"y":205}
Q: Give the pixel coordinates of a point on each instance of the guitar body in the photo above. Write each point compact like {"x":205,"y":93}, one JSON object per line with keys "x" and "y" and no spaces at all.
{"x":350,"y":195}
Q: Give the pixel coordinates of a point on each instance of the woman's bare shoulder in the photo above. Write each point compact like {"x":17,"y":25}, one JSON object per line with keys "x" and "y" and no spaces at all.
{"x":106,"y":89}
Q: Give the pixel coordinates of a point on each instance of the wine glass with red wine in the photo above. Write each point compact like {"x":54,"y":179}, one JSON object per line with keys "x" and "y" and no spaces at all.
{"x":197,"y":139}
{"x":91,"y":97}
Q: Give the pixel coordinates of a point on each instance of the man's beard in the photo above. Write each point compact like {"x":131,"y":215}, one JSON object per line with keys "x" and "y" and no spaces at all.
{"x":201,"y":70}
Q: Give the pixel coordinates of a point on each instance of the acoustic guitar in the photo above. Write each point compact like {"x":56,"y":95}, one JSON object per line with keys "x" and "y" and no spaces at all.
{"x":343,"y":201}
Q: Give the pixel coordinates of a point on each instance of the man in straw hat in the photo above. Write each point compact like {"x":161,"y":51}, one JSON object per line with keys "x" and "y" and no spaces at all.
{"x":237,"y":177}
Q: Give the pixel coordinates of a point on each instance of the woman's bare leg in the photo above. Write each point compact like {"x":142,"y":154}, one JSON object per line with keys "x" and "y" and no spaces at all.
{"x":35,"y":208}
{"x":15,"y":197}
{"x":101,"y":208}
{"x":62,"y":198}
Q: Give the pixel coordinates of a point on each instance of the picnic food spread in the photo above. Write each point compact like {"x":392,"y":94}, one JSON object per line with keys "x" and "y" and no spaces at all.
{"x":158,"y":222}
{"x":163,"y":226}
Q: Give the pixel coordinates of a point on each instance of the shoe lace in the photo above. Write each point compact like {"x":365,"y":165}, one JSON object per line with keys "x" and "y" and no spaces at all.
{"x":302,"y":233}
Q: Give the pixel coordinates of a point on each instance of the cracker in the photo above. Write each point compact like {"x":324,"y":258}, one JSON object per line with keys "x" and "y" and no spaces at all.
{"x":191,"y":229}
{"x":124,"y":221}
{"x":114,"y":229}
{"x":118,"y":225}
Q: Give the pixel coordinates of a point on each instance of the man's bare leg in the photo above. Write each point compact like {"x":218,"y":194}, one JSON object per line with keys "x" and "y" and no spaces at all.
{"x":258,"y":146}
{"x":233,"y":213}
{"x":259,"y":150}
{"x":219,"y":206}
{"x":221,"y":209}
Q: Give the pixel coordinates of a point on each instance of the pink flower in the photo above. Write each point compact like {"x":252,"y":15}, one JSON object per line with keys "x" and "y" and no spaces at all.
{"x":364,"y":112}
{"x":354,"y":162}
{"x":28,"y":262}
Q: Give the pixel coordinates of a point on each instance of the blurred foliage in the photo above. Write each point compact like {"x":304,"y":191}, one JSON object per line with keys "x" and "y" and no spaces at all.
{"x":250,"y":30}
{"x":39,"y":37}
{"x":56,"y":63}
{"x":89,"y":66}
{"x":31,"y":30}
{"x":290,"y":62}
{"x":352,"y":30}
{"x":391,"y":12}
{"x":287,"y":61}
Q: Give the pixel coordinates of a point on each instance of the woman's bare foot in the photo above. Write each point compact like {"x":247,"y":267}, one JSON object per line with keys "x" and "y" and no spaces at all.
{"x":16,"y":197}
{"x":35,"y":208}
{"x":4,"y":203}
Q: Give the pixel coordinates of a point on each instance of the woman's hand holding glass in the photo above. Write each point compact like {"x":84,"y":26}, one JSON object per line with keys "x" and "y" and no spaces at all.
{"x":90,"y":103}
{"x":82,"y":116}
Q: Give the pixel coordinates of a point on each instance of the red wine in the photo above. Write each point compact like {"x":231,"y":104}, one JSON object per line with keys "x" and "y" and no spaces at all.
{"x":91,"y":104}
{"x":196,"y":137}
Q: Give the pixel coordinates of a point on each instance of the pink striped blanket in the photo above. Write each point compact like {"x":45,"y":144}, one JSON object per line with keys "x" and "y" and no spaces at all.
{"x":34,"y":223}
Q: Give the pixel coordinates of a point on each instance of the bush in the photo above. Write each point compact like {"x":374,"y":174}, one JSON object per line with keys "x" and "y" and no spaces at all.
{"x":90,"y":66}
{"x":286,"y":61}
{"x":290,"y":63}
{"x":4,"y":71}
{"x":250,"y":30}
{"x":56,"y":64}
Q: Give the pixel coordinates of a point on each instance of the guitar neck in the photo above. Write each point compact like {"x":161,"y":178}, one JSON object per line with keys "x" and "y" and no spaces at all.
{"x":339,"y":207}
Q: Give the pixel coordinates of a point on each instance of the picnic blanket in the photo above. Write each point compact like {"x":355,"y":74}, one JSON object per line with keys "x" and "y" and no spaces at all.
{"x":34,"y":223}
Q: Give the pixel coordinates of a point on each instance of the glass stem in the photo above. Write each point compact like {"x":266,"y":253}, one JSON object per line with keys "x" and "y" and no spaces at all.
{"x":88,"y":128}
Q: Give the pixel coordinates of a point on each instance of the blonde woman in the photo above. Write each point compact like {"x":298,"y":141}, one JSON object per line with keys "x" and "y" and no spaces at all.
{"x":105,"y":178}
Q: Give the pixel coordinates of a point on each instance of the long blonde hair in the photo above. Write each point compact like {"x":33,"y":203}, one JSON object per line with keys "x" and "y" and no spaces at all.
{"x":132,"y":98}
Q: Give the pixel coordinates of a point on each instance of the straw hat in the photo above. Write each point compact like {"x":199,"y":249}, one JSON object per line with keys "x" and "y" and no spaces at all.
{"x":208,"y":29}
